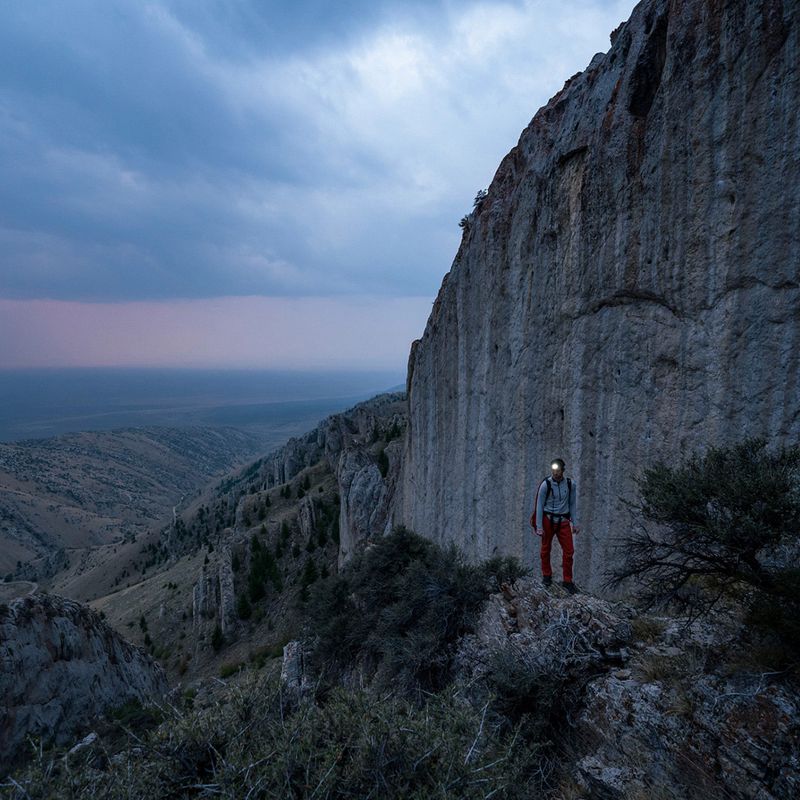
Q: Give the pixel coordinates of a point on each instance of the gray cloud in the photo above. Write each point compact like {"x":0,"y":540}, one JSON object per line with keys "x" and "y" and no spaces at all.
{"x":176,"y":149}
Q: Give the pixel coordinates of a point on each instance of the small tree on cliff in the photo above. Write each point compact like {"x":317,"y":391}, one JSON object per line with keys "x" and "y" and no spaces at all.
{"x":714,"y":527}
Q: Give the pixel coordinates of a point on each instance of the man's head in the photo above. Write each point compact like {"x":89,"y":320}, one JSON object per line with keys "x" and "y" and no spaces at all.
{"x":557,"y":466}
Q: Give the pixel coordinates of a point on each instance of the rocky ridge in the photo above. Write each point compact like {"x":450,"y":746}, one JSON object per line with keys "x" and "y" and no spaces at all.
{"x":260,"y":538}
{"x":349,"y":445}
{"x":62,"y":665}
{"x":657,"y":707}
{"x":629,"y":288}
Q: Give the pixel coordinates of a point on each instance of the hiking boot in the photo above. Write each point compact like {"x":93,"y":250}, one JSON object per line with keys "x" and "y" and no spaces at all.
{"x":547,"y":580}
{"x":570,"y":587}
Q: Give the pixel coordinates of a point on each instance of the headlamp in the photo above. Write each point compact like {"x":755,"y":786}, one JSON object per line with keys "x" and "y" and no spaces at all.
{"x":555,"y":466}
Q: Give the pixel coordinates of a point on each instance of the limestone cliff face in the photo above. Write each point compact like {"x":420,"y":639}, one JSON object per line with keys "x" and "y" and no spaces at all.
{"x":60,"y":666}
{"x":628,"y":289}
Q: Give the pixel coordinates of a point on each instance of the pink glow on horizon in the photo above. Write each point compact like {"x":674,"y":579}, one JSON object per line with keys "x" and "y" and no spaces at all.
{"x":243,"y":332}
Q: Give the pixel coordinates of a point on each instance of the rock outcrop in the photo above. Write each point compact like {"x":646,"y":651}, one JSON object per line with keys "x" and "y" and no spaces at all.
{"x":366,"y":496}
{"x":552,"y":632}
{"x":213,"y":595}
{"x":708,"y":734}
{"x":629,"y":288}
{"x":351,"y":444}
{"x":61,"y":666}
{"x":658,"y":714}
{"x":332,"y":436}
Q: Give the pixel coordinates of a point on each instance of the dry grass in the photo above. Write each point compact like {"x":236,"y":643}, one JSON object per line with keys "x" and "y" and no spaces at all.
{"x":647,"y":629}
{"x":249,"y":740}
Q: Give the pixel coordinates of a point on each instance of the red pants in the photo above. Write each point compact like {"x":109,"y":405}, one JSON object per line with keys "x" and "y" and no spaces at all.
{"x":563,"y":532}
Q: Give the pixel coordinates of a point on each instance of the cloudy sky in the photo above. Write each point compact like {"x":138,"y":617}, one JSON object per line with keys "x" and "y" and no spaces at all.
{"x":255,"y":183}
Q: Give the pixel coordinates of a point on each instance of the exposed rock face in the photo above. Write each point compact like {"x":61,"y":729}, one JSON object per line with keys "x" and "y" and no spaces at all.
{"x":739,"y":737}
{"x":293,"y":673}
{"x":204,"y":597}
{"x":366,"y":497}
{"x":629,"y":288}
{"x":227,"y":596}
{"x":213,"y":595}
{"x":307,"y":517}
{"x":60,"y":666}
{"x":649,"y":718}
{"x":348,"y":442}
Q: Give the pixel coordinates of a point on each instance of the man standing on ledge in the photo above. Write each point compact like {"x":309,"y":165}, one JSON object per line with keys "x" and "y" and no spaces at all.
{"x":556,"y":514}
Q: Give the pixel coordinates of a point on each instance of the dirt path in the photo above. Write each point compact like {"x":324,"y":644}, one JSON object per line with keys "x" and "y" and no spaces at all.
{"x":14,"y":589}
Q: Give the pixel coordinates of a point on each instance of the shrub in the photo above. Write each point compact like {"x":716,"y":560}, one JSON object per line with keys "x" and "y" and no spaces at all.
{"x":231,"y":668}
{"x":528,"y":693}
{"x":383,"y":463}
{"x":263,"y":567}
{"x":354,"y":745}
{"x":243,"y":608}
{"x":308,"y":577}
{"x":335,"y":528}
{"x":393,"y":433}
{"x":398,"y":609}
{"x":707,"y":526}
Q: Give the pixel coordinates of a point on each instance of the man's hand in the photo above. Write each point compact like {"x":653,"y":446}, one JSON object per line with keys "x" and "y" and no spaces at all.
{"x":538,"y":531}
{"x":576,"y":529}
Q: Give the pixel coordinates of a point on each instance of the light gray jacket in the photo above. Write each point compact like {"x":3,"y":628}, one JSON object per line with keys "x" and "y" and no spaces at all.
{"x":561,"y":500}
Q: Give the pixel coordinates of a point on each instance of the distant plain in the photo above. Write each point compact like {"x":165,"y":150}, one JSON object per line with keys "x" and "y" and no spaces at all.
{"x":43,"y":403}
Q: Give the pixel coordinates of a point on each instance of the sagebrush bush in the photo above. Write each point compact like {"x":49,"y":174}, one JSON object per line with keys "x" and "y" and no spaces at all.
{"x":525,"y":690}
{"x":398,"y":609}
{"x":712,"y":523}
{"x":254,"y":744}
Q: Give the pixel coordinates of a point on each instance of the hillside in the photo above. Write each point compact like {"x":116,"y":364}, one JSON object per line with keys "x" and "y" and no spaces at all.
{"x":423,"y":675}
{"x":61,"y":497}
{"x":242,"y":554}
